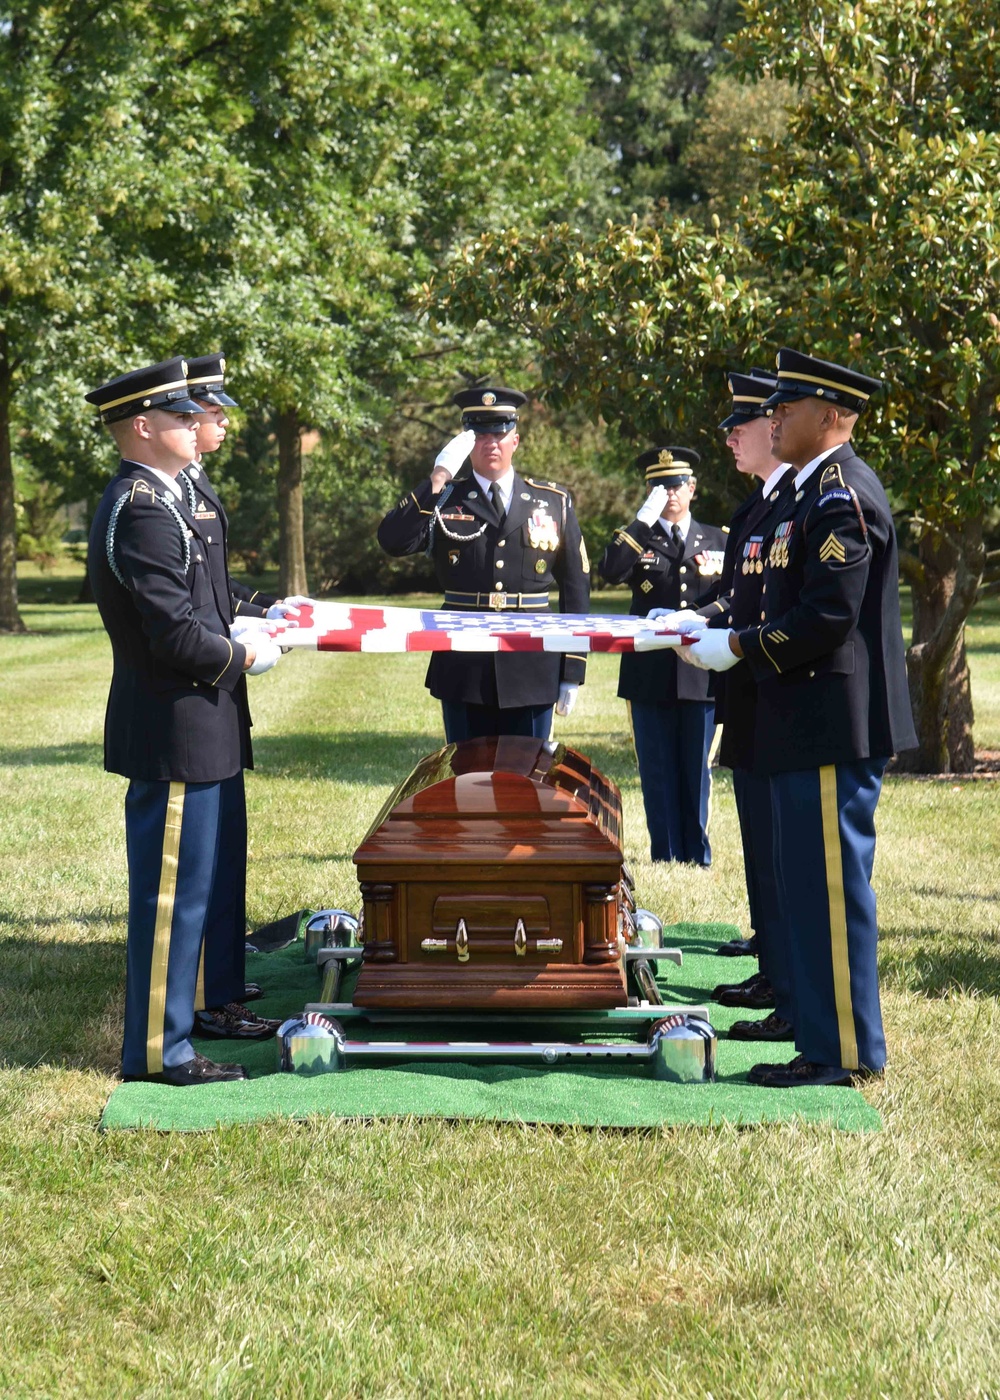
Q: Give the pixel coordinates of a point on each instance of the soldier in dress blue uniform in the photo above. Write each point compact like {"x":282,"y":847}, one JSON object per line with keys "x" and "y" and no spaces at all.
{"x":207,"y":387}
{"x":738,"y":605}
{"x":500,"y":542}
{"x":177,"y":724}
{"x":251,"y":608}
{"x":832,"y":708}
{"x":670,"y":561}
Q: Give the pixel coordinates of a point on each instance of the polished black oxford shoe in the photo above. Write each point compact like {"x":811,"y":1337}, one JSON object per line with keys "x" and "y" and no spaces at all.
{"x":253,"y":991}
{"x":802,"y":1072}
{"x":757,"y":1072}
{"x":773,"y":1027}
{"x":194,"y":1071}
{"x":756,"y":993}
{"x":739,"y":948}
{"x":232,"y":1022}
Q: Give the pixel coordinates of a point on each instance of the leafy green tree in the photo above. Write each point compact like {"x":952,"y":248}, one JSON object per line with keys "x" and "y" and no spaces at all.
{"x":651,"y":62}
{"x":874,"y":239}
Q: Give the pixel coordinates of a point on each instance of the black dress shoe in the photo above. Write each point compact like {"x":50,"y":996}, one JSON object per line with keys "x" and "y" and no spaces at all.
{"x":739,"y":948}
{"x":253,"y":991}
{"x":758,"y":1072}
{"x":773,"y":1027}
{"x":805,"y":1072}
{"x":194,"y":1071}
{"x":232,"y":1022}
{"x":756,"y":994}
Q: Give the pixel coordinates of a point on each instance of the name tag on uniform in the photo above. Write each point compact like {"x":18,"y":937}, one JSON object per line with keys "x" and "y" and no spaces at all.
{"x":455,"y":515}
{"x":205,"y":515}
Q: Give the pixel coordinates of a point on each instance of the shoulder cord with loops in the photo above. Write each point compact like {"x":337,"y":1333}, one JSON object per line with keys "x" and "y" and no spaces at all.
{"x":109,"y":542}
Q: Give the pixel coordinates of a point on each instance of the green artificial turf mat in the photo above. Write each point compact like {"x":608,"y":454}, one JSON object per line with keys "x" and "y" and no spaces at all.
{"x":589,"y":1097}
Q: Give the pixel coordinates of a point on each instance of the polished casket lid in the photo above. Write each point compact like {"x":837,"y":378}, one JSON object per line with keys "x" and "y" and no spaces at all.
{"x":498,"y":799}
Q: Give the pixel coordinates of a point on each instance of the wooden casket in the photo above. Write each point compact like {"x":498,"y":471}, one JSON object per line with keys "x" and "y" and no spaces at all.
{"x":493,"y":879}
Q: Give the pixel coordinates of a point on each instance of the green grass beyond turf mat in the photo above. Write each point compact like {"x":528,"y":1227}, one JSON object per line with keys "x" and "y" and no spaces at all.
{"x":591,"y":1097}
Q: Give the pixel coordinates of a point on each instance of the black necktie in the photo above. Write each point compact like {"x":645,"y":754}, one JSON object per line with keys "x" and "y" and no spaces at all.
{"x":676,"y":542}
{"x":497,"y":500}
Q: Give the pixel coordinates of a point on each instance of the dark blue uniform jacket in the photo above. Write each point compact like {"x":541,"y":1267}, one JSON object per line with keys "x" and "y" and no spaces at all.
{"x":642,"y":556}
{"x":177,"y":710}
{"x":827,"y":651}
{"x":483,"y":565}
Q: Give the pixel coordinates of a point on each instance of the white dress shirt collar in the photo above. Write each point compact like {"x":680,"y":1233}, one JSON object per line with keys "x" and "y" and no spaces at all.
{"x":803,"y":476}
{"x":505,"y":482}
{"x":168,"y":481}
{"x":683,"y":525}
{"x":771,"y":481}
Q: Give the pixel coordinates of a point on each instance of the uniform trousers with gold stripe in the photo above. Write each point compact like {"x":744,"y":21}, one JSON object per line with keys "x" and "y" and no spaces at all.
{"x":186,"y":847}
{"x":824,"y":848}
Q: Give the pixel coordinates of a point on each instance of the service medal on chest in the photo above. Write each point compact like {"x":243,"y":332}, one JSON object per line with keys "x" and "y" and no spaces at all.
{"x":543,"y":533}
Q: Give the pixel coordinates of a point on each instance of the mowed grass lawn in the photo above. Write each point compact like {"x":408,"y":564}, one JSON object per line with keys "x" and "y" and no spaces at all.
{"x":456,"y":1259}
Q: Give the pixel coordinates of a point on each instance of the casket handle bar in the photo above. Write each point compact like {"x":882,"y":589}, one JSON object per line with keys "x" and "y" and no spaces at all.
{"x":522,"y":944}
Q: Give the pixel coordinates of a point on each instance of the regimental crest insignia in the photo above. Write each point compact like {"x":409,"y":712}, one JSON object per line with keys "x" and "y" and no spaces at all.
{"x":453,"y":556}
{"x":832,"y":548}
{"x":540,"y":566}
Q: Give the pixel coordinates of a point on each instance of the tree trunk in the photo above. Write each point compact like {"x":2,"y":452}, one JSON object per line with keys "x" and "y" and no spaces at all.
{"x":10,"y":618}
{"x":291,"y":532}
{"x":946,"y":582}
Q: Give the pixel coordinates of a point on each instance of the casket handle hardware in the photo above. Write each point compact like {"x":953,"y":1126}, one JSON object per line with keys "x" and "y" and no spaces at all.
{"x":462,"y":941}
{"x":434,"y":945}
{"x":520,"y":939}
{"x":548,"y":945}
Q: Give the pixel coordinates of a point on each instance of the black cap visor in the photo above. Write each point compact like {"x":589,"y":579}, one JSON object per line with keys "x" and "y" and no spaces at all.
{"x":215,"y":397}
{"x":488,"y":427}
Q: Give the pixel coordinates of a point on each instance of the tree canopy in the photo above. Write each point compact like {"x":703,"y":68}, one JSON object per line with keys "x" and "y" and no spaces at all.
{"x":872,"y":238}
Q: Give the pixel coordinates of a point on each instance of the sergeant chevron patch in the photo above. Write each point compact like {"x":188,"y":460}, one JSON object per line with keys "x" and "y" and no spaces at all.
{"x":832,"y":548}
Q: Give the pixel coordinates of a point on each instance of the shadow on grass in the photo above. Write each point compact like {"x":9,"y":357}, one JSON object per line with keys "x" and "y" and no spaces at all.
{"x":61,"y":1003}
{"x":54,"y":755}
{"x":934,"y":972}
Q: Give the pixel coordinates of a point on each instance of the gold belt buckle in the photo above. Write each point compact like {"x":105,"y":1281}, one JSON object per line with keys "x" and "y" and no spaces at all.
{"x":498,"y":601}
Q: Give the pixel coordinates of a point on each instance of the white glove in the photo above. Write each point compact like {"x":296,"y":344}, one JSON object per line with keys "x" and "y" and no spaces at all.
{"x":650,"y":513}
{"x":268,"y":655}
{"x":287,"y":608}
{"x":684,"y":621}
{"x":454,"y":453}
{"x":567,"y":697}
{"x":248,"y":628}
{"x":711,"y":652}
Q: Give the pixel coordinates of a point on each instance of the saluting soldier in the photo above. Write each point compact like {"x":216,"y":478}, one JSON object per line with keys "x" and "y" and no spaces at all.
{"x":500,"y":542}
{"x":669,"y":560}
{"x":177,"y":725}
{"x":832,"y":707}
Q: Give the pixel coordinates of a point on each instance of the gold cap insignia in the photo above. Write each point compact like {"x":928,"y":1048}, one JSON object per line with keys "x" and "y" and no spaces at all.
{"x":222,"y":365}
{"x":665,"y":459}
{"x":184,"y":366}
{"x":489,"y":399}
{"x":730,"y":384}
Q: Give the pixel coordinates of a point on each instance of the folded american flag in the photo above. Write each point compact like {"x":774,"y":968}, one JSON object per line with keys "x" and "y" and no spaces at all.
{"x":346,"y":627}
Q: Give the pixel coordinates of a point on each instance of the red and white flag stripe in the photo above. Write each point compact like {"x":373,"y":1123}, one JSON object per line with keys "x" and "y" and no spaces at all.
{"x":347,"y":627}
